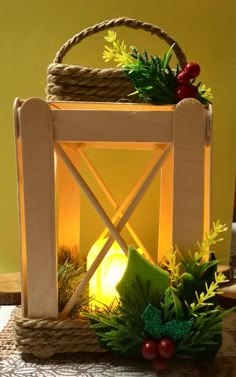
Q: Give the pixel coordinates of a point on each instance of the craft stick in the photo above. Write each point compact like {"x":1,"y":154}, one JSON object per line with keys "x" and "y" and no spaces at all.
{"x":141,"y":146}
{"x":36,"y":129}
{"x":75,"y":296}
{"x":68,"y":203}
{"x":98,"y":178}
{"x":116,"y":235}
{"x":208,"y":174}
{"x":188,"y":174}
{"x":21,"y":210}
{"x":112,"y":200}
{"x":136,"y":186}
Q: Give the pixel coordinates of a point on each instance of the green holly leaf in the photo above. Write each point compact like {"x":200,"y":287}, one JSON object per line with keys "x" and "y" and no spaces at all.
{"x":139,"y":268}
{"x":152,"y":321}
{"x":153,"y":325}
{"x":176,"y":329}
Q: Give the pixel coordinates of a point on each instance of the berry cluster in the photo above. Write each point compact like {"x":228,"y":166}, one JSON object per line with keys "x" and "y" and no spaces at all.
{"x":184,"y":80}
{"x":158,"y":352}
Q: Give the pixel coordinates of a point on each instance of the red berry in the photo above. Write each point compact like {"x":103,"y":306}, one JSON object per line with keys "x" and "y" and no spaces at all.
{"x":159,"y":364}
{"x":192,"y":91}
{"x":149,"y":350}
{"x":185,"y":91}
{"x":193,"y":69}
{"x":181,"y":92}
{"x":166,"y":348}
{"x":183,"y":78}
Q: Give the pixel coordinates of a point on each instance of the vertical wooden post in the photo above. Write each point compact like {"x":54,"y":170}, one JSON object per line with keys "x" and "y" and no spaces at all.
{"x":39,"y":203}
{"x":188,"y":174}
{"x":166,"y":207}
{"x":21,"y":210}
{"x":208,"y":173}
{"x":68,"y":204}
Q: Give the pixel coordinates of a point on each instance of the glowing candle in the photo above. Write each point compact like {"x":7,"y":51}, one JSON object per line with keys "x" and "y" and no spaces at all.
{"x":108,"y":274}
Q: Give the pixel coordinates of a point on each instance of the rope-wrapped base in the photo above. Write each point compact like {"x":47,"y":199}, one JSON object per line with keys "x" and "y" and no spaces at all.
{"x":45,"y":337}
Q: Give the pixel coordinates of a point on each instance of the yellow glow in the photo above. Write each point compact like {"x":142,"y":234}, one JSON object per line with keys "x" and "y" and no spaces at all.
{"x":102,"y":284}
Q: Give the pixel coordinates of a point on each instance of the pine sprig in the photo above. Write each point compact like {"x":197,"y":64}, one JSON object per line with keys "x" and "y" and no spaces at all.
{"x":206,"y":331}
{"x":153,"y":78}
{"x":70,"y":274}
{"x":171,"y":264}
{"x":203,"y":332}
{"x":120,"y":328}
{"x":197,"y":264}
{"x":167,"y":306}
{"x":202,"y":299}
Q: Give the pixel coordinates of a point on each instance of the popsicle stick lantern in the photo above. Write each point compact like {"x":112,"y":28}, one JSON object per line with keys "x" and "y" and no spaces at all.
{"x":53,"y":140}
{"x":47,"y":132}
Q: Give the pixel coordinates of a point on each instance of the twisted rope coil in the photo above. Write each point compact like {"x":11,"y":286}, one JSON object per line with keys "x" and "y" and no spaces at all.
{"x":45,"y":337}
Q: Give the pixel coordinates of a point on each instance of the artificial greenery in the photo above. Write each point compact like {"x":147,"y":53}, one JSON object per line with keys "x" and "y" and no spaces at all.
{"x":157,"y":328}
{"x":120,"y":327}
{"x":71,"y":271}
{"x":187,"y":311}
{"x":153,"y":78}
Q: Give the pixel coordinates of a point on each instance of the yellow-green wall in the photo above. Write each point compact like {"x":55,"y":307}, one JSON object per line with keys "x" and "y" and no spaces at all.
{"x":32,"y":31}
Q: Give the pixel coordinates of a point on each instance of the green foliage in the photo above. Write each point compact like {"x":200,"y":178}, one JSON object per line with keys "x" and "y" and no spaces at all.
{"x":187,"y":310}
{"x":153,"y":78}
{"x":196,"y":284}
{"x":167,"y":305}
{"x":205,"y":334}
{"x":70,"y":273}
{"x":157,"y":328}
{"x":203,"y":299}
{"x":197,"y":264}
{"x":120,"y":328}
{"x":190,"y":275}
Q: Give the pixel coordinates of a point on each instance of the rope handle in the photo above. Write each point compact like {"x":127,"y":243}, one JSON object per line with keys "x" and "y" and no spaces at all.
{"x":122,"y":21}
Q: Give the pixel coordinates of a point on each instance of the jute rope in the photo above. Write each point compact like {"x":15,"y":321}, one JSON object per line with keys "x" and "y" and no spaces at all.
{"x":76,"y":83}
{"x":44,"y":337}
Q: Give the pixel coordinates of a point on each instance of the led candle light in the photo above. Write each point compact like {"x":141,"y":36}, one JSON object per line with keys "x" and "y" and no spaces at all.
{"x":108,"y":274}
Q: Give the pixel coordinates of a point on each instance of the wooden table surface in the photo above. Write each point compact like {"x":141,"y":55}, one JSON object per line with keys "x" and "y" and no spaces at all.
{"x":10,"y":289}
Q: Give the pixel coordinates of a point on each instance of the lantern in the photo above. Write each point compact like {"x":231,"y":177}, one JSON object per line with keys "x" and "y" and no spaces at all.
{"x":181,"y":152}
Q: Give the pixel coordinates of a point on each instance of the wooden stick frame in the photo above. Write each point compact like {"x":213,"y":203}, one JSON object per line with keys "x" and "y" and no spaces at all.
{"x":185,"y":209}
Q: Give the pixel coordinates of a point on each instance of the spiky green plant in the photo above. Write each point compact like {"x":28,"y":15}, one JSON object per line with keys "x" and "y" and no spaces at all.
{"x":70,"y":273}
{"x":153,"y":78}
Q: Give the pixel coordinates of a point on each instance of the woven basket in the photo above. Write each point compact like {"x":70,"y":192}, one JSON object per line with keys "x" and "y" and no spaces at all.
{"x":44,"y":337}
{"x":76,"y":83}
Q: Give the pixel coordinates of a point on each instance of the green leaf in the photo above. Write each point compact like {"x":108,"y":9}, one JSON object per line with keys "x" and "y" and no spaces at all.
{"x":141,"y":270}
{"x":152,"y":321}
{"x":154,"y":326}
{"x":177,"y":304}
{"x":166,"y":57}
{"x":176,"y":329}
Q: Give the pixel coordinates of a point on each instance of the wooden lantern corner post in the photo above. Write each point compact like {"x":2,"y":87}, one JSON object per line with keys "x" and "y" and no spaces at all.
{"x":41,"y":127}
{"x":185,"y":202}
{"x":34,"y":140}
